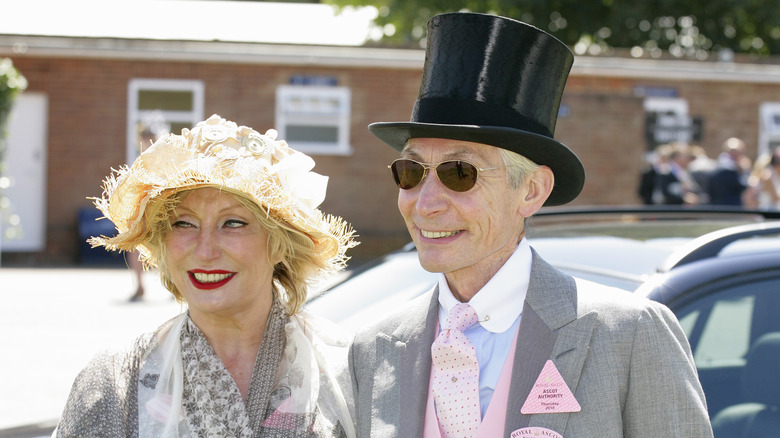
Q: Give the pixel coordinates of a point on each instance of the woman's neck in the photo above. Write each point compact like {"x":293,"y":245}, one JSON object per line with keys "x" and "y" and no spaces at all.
{"x":236,"y":341}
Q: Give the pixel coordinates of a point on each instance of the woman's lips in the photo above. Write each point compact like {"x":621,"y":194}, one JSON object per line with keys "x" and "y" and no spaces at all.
{"x":207,"y":280}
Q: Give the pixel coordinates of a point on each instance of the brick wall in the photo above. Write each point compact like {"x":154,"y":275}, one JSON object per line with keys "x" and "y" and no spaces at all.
{"x":604,"y":125}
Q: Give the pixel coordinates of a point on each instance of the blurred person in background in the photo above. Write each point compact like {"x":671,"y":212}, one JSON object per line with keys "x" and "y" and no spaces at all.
{"x":230,"y":219}
{"x":700,"y":169}
{"x":729,"y":179}
{"x":657,"y":164}
{"x":675,"y":185}
{"x":763,"y":190}
{"x":151,"y":129}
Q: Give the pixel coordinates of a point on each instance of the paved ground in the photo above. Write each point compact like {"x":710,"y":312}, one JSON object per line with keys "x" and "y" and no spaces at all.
{"x":52,"y":321}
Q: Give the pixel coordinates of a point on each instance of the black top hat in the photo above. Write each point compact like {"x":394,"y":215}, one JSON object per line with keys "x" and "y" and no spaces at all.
{"x":497,"y":81}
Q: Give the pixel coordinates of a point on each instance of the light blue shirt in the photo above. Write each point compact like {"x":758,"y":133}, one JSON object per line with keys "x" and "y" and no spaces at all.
{"x":499,"y":305}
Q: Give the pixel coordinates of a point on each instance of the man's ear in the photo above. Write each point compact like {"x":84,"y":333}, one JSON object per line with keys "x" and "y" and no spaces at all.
{"x":537,"y":189}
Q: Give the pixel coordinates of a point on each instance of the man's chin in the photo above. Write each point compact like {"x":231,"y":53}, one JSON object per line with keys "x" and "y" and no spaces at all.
{"x":435,"y":265}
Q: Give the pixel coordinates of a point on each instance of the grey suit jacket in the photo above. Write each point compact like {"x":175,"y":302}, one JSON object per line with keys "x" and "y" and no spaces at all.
{"x":625,"y":358}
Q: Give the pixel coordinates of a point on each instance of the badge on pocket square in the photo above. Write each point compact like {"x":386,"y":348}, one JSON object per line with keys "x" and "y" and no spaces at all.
{"x":550,"y":394}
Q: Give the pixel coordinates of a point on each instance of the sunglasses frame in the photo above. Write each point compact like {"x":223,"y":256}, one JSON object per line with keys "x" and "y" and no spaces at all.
{"x":435,"y":167}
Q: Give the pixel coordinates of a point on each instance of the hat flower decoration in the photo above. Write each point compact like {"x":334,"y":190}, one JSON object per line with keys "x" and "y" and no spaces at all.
{"x":219,"y":153}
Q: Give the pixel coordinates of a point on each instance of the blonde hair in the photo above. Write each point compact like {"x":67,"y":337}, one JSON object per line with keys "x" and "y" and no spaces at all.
{"x":299,"y":263}
{"x":219,"y":153}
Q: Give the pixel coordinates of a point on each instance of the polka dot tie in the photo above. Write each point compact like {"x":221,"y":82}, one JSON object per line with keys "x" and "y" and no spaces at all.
{"x":456,"y":376}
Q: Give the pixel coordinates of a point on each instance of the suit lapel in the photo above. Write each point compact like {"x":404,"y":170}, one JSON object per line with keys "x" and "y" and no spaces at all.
{"x":535,"y":342}
{"x":549,"y":330}
{"x":568,"y":355}
{"x":404,"y":356}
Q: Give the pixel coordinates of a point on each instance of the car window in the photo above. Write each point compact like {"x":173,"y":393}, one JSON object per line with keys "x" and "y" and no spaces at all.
{"x":722,"y":324}
{"x":725,"y":336}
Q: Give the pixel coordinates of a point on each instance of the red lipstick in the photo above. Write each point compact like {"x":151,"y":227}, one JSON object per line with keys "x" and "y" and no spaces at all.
{"x":210,"y":285}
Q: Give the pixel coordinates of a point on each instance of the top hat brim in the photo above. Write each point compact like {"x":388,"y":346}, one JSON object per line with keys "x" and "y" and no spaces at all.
{"x":566,"y":167}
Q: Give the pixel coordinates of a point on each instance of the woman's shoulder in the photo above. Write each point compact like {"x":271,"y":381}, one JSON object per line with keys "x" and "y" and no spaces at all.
{"x":130,"y":354}
{"x":103,"y":395}
{"x":99,"y":402}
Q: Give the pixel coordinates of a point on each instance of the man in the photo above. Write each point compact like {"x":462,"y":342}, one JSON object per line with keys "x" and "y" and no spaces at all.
{"x":729,"y":180}
{"x":676,"y":185}
{"x":549,"y":355}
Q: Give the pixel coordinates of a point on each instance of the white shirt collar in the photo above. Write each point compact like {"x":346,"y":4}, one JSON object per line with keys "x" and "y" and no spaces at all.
{"x":500,"y":301}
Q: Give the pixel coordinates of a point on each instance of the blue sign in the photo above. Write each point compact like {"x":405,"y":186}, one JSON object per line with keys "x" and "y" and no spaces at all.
{"x":643,"y":91}
{"x":327,"y":81}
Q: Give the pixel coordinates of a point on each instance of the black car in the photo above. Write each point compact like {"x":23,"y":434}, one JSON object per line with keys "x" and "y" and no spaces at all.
{"x":725,"y":290}
{"x":717,"y":270}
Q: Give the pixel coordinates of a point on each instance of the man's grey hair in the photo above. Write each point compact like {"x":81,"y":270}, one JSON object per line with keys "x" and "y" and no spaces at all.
{"x":518,"y":167}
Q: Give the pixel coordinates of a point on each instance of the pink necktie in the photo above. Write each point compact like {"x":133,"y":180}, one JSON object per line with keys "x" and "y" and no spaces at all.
{"x":456,"y":376}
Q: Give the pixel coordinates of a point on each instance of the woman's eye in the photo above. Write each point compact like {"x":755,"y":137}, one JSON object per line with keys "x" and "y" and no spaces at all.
{"x":181,"y":224}
{"x":234,"y":223}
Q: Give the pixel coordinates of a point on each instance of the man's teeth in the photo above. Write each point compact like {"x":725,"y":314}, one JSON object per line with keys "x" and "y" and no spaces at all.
{"x":437,"y":234}
{"x":210,"y":278}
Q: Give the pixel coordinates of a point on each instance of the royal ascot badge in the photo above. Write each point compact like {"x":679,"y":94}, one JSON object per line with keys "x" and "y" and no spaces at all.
{"x":550,"y":394}
{"x":535,"y":432}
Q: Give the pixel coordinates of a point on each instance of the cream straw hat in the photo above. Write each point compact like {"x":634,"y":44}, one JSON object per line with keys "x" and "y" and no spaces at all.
{"x":219,"y":153}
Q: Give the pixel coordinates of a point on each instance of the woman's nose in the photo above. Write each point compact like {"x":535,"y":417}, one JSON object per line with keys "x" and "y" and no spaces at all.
{"x":207,"y":247}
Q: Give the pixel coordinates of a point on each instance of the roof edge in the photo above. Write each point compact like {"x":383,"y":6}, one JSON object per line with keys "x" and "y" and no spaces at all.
{"x":16,"y":46}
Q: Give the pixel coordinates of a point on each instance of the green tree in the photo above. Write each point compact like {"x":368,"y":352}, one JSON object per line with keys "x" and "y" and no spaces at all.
{"x":11,"y":84}
{"x":685,"y":29}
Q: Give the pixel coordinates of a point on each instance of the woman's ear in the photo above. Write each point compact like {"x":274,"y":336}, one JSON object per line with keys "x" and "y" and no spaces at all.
{"x":537,"y":189}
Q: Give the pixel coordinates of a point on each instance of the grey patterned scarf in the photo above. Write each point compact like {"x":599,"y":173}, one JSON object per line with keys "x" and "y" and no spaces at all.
{"x":292,"y":393}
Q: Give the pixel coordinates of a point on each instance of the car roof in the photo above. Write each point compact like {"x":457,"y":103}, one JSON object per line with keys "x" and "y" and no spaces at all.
{"x":739,"y":253}
{"x":627,"y":245}
{"x":713,"y":244}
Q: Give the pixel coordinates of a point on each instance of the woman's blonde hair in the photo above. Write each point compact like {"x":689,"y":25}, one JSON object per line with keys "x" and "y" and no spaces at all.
{"x":299,"y":263}
{"x":219,"y":153}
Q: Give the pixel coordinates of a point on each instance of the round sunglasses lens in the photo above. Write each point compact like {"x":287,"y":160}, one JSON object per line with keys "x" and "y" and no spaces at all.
{"x":459,"y":176}
{"x":407,"y":173}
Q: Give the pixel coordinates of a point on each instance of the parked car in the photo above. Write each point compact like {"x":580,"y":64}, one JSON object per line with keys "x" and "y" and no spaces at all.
{"x":724,"y":288}
{"x":718,"y":271}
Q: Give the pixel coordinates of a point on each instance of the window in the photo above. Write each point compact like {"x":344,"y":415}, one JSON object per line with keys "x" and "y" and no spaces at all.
{"x":725,"y":338}
{"x":314,"y":119}
{"x":156,"y":107}
{"x":768,"y":127}
{"x":722,"y":326}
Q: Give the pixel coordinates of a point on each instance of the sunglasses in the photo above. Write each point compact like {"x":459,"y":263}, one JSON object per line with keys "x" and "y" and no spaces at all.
{"x":456,"y":175}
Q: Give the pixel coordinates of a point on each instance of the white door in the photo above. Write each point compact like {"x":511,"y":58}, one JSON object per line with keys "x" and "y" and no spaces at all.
{"x":24,"y":219}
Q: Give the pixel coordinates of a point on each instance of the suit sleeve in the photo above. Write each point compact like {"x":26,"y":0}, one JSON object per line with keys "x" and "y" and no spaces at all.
{"x":664,"y":395}
{"x":361,"y":373}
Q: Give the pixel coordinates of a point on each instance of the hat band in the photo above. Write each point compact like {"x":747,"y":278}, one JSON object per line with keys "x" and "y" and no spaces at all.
{"x":448,"y":111}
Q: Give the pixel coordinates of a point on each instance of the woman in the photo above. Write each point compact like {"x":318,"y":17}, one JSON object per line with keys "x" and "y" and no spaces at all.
{"x":230,"y":219}
{"x":763,"y":190}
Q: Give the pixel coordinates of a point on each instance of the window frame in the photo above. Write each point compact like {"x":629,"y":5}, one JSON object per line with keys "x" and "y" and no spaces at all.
{"x":716,"y":290}
{"x":341,"y":120}
{"x":134,"y":114}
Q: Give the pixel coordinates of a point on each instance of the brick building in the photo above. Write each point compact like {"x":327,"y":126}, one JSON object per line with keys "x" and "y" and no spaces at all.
{"x":88,"y":95}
